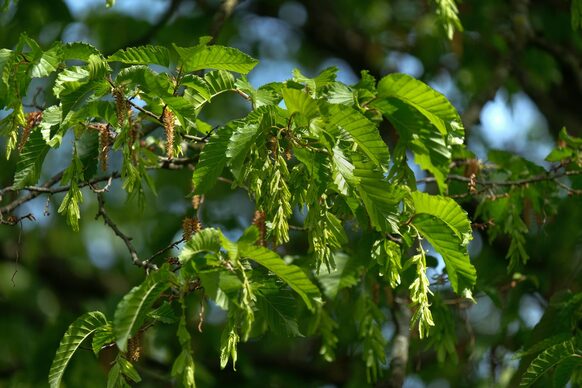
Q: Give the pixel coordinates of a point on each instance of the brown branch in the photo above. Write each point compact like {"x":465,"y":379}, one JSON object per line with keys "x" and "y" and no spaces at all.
{"x":164,"y":250}
{"x":30,"y":196}
{"x":545,"y":177}
{"x":126,"y":240}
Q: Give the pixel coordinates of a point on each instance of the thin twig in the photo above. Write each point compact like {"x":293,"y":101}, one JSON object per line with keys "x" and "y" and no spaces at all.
{"x":164,"y":250}
{"x":127,"y":240}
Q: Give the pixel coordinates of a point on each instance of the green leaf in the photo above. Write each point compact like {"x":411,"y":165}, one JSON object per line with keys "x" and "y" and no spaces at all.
{"x":30,"y":162}
{"x":278,"y":308}
{"x":165,"y":313}
{"x":206,"y":240}
{"x":78,"y":50}
{"x":143,"y":55}
{"x":297,"y":101}
{"x":73,"y":100}
{"x":290,"y":274}
{"x":317,"y":84}
{"x":101,"y":337}
{"x":241,"y":141}
{"x":109,"y":3}
{"x":548,"y":359}
{"x":215,"y":57}
{"x":133,"y":308}
{"x":78,"y":332}
{"x":212,"y":161}
{"x":47,"y":62}
{"x":344,"y":275}
{"x":427,"y":122}
{"x":380,"y":198}
{"x":364,"y":132}
{"x":424,"y":99}
{"x":447,"y":228}
{"x":128,"y":370}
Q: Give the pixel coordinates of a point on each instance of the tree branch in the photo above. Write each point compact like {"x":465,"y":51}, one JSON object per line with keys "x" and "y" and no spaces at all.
{"x":126,"y":240}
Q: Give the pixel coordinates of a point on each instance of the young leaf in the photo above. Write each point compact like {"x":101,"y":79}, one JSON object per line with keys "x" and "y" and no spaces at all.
{"x":215,"y":57}
{"x":290,"y":274}
{"x":424,"y":99}
{"x":102,"y":336}
{"x":30,"y":162}
{"x":446,"y":227}
{"x":364,"y":132}
{"x":143,"y":55}
{"x":206,"y":240}
{"x":212,"y":161}
{"x":133,"y":308}
{"x":344,"y":275}
{"x":547,"y":360}
{"x":79,"y":330}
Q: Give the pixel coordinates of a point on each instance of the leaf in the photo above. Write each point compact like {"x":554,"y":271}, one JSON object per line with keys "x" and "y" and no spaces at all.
{"x":143,"y":55}
{"x":215,"y":57}
{"x":364,"y":132}
{"x":77,"y":332}
{"x":47,"y":62}
{"x":184,"y":368}
{"x":427,"y":122}
{"x":29,"y":164}
{"x":317,"y":84}
{"x":212,"y":161}
{"x":380,"y":198}
{"x":88,"y":149}
{"x":133,"y":308}
{"x":424,"y":99}
{"x":447,"y":228}
{"x":278,"y":308}
{"x":344,"y":275}
{"x":78,"y":50}
{"x":290,"y":274}
{"x":165,"y":313}
{"x":297,"y":101}
{"x":73,"y":100}
{"x":547,"y":360}
{"x":101,"y":337}
{"x":241,"y":141}
{"x":206,"y":240}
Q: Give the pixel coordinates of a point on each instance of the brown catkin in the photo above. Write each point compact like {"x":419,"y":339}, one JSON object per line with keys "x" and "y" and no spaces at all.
{"x":259,"y":222}
{"x":32,"y":120}
{"x":104,"y":142}
{"x":196,"y":201}
{"x":189,"y":227}
{"x":134,"y":346}
{"x":120,"y":105}
{"x":168,"y":120}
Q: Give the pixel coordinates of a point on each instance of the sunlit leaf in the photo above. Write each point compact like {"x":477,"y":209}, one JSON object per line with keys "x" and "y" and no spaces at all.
{"x":78,"y":332}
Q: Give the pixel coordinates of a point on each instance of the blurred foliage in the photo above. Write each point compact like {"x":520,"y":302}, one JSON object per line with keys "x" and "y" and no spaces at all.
{"x":527,"y":240}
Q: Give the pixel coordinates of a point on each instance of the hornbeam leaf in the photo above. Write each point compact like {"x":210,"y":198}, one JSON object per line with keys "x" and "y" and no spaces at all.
{"x":290,"y":274}
{"x":446,"y":227}
{"x":427,"y":122}
{"x":239,"y":146}
{"x":143,"y":55}
{"x":364,"y":132}
{"x":215,"y":57}
{"x":206,"y":240}
{"x":212,"y":161}
{"x":427,"y":101}
{"x":79,"y":330}
{"x":30,"y":162}
{"x":133,"y":308}
{"x":548,"y":359}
